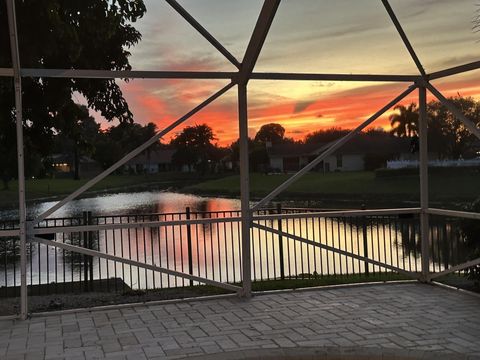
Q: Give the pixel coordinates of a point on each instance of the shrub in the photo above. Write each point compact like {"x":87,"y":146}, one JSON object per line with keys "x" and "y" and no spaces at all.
{"x":470,"y":232}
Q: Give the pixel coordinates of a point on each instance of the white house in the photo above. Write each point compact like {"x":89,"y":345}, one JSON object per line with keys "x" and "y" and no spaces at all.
{"x":290,"y":157}
{"x":151,"y":162}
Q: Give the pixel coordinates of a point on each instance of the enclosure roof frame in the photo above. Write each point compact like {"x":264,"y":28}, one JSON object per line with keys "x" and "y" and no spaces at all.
{"x":241,"y":77}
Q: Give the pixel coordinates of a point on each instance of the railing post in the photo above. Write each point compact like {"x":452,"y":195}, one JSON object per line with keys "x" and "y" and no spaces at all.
{"x":85,"y":257}
{"x":90,"y":246}
{"x":365,"y":246}
{"x":189,"y":245}
{"x":424,"y":226}
{"x":280,"y":243}
{"x":365,"y":242}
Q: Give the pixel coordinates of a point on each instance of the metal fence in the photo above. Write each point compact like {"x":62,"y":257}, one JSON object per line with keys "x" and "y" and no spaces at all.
{"x":212,"y":249}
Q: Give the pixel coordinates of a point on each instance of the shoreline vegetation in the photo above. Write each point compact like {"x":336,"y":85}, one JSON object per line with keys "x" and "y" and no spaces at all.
{"x":337,"y":189}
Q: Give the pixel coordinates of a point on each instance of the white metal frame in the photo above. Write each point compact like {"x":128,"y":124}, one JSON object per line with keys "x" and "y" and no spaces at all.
{"x":240,"y":79}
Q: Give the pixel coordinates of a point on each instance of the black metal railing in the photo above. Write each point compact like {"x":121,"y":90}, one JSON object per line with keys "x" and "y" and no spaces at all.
{"x":213,"y":249}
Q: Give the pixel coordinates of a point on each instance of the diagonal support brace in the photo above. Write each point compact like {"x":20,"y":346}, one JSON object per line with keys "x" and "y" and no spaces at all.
{"x":132,"y":154}
{"x":152,"y":267}
{"x":454,"y":110}
{"x":332,"y":149}
{"x":335,"y":250}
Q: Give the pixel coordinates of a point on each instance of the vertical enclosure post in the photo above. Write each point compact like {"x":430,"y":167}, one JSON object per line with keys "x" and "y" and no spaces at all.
{"x":244,"y":190}
{"x":12,"y":24}
{"x":424,"y":226}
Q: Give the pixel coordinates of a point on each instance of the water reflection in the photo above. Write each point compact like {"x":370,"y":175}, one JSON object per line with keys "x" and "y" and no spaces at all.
{"x":130,"y":203}
{"x":213,"y":250}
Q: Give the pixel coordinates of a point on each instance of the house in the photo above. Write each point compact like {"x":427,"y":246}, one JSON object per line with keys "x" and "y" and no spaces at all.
{"x":63,"y":165}
{"x":360,"y":153}
{"x":151,"y":162}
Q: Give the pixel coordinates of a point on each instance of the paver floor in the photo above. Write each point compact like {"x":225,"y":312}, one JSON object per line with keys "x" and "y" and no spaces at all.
{"x":402,"y":316}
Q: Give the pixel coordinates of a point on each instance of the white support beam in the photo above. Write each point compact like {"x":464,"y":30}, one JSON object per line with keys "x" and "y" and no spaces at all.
{"x":80,"y":250}
{"x":424,"y":223}
{"x":244,"y":190}
{"x":454,"y":110}
{"x":7,"y":72}
{"x":132,"y":225}
{"x":264,"y":21}
{"x":334,"y":77}
{"x":158,"y":74}
{"x":335,"y":250}
{"x":9,"y":233}
{"x":209,"y":37}
{"x":126,"y":74}
{"x":455,"y":268}
{"x":132,"y":154}
{"x":332,"y":149}
{"x":22,"y":207}
{"x":404,"y":37}
{"x":341,"y":213}
{"x":257,"y":40}
{"x":454,"y":213}
{"x":454,"y":70}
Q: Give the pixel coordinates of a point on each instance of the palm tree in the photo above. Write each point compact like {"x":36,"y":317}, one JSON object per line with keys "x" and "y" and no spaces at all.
{"x":405,"y":122}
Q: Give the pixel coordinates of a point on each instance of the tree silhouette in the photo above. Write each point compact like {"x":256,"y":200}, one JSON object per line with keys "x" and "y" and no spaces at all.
{"x":471,"y":240}
{"x":78,"y":133}
{"x":115,"y":142}
{"x":325,"y":136}
{"x":405,"y":122}
{"x":194,"y":147}
{"x":449,"y":136}
{"x":88,"y":34}
{"x":270,"y":132}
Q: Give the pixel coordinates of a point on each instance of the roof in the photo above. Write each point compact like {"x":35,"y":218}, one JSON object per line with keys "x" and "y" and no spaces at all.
{"x":153,"y":157}
{"x":365,"y":144}
{"x":68,"y":158}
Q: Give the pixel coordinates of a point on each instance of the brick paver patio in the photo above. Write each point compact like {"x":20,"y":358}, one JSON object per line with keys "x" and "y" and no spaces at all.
{"x":396,"y":316}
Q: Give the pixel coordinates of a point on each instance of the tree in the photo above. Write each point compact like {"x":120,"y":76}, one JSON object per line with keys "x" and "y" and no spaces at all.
{"x":115,"y":142}
{"x":325,"y":136}
{"x":87,"y":34}
{"x":405,"y":122}
{"x":270,"y":132}
{"x":8,"y":164}
{"x":469,"y":230}
{"x":194,"y":147}
{"x":78,"y":134}
{"x":447,"y":134}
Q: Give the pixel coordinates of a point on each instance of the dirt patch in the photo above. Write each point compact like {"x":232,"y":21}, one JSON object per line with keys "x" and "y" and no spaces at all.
{"x":52,"y":302}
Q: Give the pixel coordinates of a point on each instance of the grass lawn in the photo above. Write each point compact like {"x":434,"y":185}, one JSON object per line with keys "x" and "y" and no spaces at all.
{"x":351,"y":186}
{"x":338,"y":189}
{"x":42,"y":188}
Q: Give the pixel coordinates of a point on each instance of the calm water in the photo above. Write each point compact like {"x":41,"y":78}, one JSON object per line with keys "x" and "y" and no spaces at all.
{"x":215,"y":248}
{"x":130,"y":203}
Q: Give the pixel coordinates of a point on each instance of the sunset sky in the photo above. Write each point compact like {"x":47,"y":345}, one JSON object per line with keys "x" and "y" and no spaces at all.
{"x":324,"y":36}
